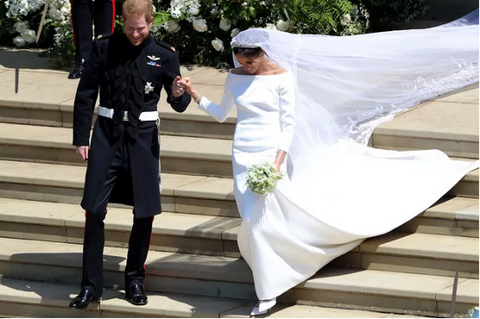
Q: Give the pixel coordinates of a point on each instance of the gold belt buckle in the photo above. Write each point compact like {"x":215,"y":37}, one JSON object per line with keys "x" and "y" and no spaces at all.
{"x":125,"y":116}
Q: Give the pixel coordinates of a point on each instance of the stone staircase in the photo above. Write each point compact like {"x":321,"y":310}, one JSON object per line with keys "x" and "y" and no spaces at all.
{"x":194,"y":268}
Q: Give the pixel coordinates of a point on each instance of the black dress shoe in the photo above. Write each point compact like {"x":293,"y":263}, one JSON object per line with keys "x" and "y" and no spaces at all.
{"x":82,"y":300}
{"x":136,"y":295}
{"x":77,"y":71}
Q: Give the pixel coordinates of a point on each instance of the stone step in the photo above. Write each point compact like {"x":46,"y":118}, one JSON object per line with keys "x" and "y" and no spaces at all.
{"x":62,"y":183}
{"x":437,"y":124}
{"x":416,"y":253}
{"x":224,"y":277}
{"x":172,"y":232}
{"x":187,"y":155}
{"x":24,"y":298}
{"x":216,"y":236}
{"x":449,"y":216}
{"x":180,"y":193}
{"x":40,"y":102}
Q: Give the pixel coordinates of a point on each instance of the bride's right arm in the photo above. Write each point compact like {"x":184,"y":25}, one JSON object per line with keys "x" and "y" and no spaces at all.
{"x":218,"y":112}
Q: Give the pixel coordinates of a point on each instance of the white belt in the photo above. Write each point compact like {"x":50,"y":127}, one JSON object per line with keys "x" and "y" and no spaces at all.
{"x":144,"y":116}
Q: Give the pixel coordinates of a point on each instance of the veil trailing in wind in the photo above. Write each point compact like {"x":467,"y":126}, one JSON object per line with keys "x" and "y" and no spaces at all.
{"x":346,"y":86}
{"x":338,"y":191}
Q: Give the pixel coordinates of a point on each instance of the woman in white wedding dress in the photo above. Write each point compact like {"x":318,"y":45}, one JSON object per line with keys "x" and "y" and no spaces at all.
{"x":317,"y":101}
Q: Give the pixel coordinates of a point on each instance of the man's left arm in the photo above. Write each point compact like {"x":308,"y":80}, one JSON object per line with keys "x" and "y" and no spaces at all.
{"x":172,"y":70}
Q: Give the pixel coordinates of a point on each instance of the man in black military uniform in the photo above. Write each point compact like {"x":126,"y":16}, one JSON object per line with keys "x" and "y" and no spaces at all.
{"x":84,"y":12}
{"x":130,"y":68}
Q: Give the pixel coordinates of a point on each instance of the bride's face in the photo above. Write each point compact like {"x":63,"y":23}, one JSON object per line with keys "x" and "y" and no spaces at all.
{"x":250,"y":64}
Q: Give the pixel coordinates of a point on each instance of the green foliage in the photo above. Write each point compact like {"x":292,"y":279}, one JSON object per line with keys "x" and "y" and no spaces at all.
{"x":5,"y":25}
{"x":201,"y":30}
{"x":319,"y":16}
{"x":390,"y":14}
{"x":160,"y":18}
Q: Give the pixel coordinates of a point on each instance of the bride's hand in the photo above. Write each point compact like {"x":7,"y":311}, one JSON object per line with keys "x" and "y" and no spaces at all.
{"x":187,"y":84}
{"x":279,"y":159}
{"x":277,"y":166}
{"x":177,"y":87}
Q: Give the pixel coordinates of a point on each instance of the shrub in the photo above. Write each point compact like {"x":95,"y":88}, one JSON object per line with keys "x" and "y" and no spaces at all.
{"x":390,"y":14}
{"x":201,"y":30}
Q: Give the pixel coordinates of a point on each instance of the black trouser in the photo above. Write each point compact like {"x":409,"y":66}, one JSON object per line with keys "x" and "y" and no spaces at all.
{"x":94,"y":238}
{"x":86,"y":12}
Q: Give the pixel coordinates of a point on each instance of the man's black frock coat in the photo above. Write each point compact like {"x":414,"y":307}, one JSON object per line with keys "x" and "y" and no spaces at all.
{"x":129,"y":79}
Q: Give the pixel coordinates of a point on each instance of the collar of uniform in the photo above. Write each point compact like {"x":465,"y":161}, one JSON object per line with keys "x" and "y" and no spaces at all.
{"x":142,"y":45}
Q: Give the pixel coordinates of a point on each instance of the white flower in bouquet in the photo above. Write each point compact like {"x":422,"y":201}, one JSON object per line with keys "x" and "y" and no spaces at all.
{"x":18,"y":41}
{"x":218,"y":44}
{"x":282,"y":25}
{"x":21,"y":26}
{"x":262,"y":178}
{"x":234,"y":32}
{"x":172,"y":26}
{"x":200,"y":25}
{"x":225,"y":24}
{"x":29,"y":36}
{"x":56,"y":14}
{"x":346,"y":19}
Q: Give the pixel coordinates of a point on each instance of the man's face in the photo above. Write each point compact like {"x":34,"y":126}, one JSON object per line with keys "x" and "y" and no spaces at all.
{"x":136,"y":29}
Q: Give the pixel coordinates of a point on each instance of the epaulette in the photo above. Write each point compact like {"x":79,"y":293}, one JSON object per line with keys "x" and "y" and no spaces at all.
{"x":165,"y":45}
{"x":104,"y":36}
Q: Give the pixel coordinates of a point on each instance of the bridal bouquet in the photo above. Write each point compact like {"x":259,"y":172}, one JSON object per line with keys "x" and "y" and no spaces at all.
{"x":263,"y":178}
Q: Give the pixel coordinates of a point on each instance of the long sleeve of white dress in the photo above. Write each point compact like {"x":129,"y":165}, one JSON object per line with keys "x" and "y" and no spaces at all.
{"x":219,"y":112}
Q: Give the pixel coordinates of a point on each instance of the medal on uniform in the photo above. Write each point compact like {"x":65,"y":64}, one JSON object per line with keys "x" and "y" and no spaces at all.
{"x":153,"y":60}
{"x":148,"y":87}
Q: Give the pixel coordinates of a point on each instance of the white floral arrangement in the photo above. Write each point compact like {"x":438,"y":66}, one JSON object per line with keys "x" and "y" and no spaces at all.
{"x":200,"y":29}
{"x":263,"y":178}
{"x":58,"y":16}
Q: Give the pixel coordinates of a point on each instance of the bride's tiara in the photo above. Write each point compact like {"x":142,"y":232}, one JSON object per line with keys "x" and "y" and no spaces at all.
{"x":243,"y":45}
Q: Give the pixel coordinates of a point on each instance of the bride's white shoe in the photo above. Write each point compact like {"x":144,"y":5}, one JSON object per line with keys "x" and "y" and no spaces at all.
{"x":263,"y":307}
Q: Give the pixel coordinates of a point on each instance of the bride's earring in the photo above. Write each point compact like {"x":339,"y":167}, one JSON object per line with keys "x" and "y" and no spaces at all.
{"x":263,"y":307}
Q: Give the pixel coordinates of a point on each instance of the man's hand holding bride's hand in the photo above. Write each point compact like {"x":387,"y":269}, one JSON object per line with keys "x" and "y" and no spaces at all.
{"x":177,"y":87}
{"x":187,"y":84}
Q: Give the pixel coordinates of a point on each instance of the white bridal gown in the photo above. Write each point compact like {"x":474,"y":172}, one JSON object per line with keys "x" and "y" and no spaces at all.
{"x":288,"y":235}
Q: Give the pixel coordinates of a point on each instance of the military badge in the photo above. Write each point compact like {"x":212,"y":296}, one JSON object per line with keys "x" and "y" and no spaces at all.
{"x":153,"y":63}
{"x":148,"y":87}
{"x":153,"y":58}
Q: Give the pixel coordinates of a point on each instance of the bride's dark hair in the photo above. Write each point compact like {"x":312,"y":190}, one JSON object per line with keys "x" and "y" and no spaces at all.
{"x":248,"y":52}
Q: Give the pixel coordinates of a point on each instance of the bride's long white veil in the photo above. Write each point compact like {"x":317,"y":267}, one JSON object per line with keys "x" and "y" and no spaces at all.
{"x":346,"y":86}
{"x":340,"y":191}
